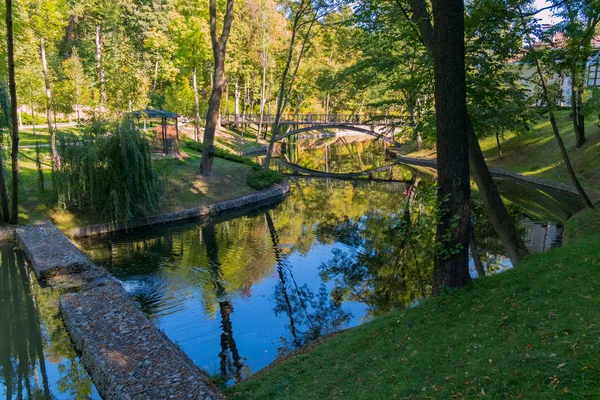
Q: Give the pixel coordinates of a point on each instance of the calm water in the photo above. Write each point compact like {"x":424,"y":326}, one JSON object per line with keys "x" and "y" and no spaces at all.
{"x":37,"y":360}
{"x":236,"y":293}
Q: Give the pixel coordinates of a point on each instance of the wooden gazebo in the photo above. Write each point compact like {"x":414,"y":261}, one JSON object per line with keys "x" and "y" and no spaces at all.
{"x":166,"y":142}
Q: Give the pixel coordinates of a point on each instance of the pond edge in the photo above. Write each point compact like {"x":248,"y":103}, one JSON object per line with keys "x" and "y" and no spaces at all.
{"x":273,"y":194}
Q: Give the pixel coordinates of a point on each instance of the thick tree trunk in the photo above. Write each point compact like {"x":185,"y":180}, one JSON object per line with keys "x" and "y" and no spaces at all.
{"x":453,"y":232}
{"x":494,"y":206}
{"x":214,"y":104}
{"x":55,"y":156}
{"x":196,"y":106}
{"x":6,"y":215}
{"x":99,"y":65}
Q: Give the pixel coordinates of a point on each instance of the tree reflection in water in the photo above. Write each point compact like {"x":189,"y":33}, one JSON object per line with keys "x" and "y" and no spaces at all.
{"x":391,"y":264}
{"x":310,"y":315}
{"x":230,"y":361}
{"x":31,"y":336}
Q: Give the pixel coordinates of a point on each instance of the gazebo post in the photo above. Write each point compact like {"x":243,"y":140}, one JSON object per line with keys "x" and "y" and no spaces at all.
{"x":164,"y":134}
{"x":176,"y":134}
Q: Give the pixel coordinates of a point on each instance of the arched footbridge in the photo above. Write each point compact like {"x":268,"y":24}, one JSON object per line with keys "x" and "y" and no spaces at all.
{"x":352,"y":128}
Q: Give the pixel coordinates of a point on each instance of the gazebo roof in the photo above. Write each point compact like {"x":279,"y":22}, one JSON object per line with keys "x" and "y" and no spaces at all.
{"x":152,"y":113}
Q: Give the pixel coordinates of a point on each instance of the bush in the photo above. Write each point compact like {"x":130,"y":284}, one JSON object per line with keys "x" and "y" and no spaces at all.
{"x":261,"y":179}
{"x":108,"y":169}
{"x":26,"y":119}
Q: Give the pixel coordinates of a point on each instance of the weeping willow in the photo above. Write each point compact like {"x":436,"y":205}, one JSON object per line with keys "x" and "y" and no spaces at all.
{"x":107,"y":170}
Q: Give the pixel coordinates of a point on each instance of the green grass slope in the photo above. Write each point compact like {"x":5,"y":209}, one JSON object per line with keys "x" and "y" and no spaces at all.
{"x":532,"y":332}
{"x":537,"y":154}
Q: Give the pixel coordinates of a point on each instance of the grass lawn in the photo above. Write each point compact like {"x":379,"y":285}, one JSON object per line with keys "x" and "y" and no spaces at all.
{"x":182,"y":188}
{"x":531,"y":332}
{"x":27,"y":138}
{"x":537,"y":154}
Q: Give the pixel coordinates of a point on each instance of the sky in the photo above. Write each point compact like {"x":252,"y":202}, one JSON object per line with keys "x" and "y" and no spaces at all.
{"x":545,"y":16}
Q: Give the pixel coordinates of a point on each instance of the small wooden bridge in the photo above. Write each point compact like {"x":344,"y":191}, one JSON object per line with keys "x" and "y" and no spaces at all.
{"x":345,"y":128}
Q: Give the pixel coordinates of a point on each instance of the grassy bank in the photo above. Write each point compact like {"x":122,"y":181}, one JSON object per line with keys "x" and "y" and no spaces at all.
{"x":536,"y":153}
{"x":532,"y":332}
{"x":183,"y":187}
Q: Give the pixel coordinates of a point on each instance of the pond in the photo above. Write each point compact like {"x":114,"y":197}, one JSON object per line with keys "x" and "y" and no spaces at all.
{"x":37,"y":360}
{"x":238,"y":291}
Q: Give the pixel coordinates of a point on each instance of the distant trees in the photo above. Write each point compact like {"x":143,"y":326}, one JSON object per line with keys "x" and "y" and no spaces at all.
{"x":579,"y":20}
{"x":549,"y":101}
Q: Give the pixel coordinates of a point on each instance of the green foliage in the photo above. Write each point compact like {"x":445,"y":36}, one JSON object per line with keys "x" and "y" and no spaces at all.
{"x":261,"y":179}
{"x":107,"y":169}
{"x":26,"y":118}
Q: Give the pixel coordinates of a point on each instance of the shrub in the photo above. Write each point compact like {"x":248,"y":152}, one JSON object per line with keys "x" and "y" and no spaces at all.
{"x":26,"y":119}
{"x":108,"y":169}
{"x":261,"y":179}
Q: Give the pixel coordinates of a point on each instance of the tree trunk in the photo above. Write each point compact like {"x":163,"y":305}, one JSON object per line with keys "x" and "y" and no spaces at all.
{"x":196,"y":106}
{"x":498,"y":144}
{"x":263,"y":93}
{"x":495,"y":208}
{"x":99,"y":66}
{"x":283,"y":97}
{"x":6,"y":216}
{"x":555,"y":129}
{"x":576,"y":111}
{"x":32,"y":117}
{"x":214,"y":103}
{"x":453,"y":232}
{"x":567,"y":162}
{"x":55,"y":156}
{"x":155,"y":75}
{"x":237,"y":101}
{"x":475,"y":254}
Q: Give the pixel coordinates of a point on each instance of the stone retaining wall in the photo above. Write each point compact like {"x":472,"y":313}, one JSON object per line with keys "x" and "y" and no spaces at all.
{"x":56,"y":261}
{"x":126,"y":356}
{"x":273,"y":194}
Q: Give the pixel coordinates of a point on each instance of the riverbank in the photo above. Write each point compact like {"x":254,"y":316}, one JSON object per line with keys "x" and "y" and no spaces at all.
{"x":182,"y":186}
{"x":531,"y":332}
{"x":536,"y":153}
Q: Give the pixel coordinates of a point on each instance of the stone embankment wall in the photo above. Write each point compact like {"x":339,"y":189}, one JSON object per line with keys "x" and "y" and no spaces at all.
{"x":271,"y":195}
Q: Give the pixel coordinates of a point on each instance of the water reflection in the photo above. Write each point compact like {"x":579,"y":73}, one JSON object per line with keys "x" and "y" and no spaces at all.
{"x":36,"y":357}
{"x":235,"y":293}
